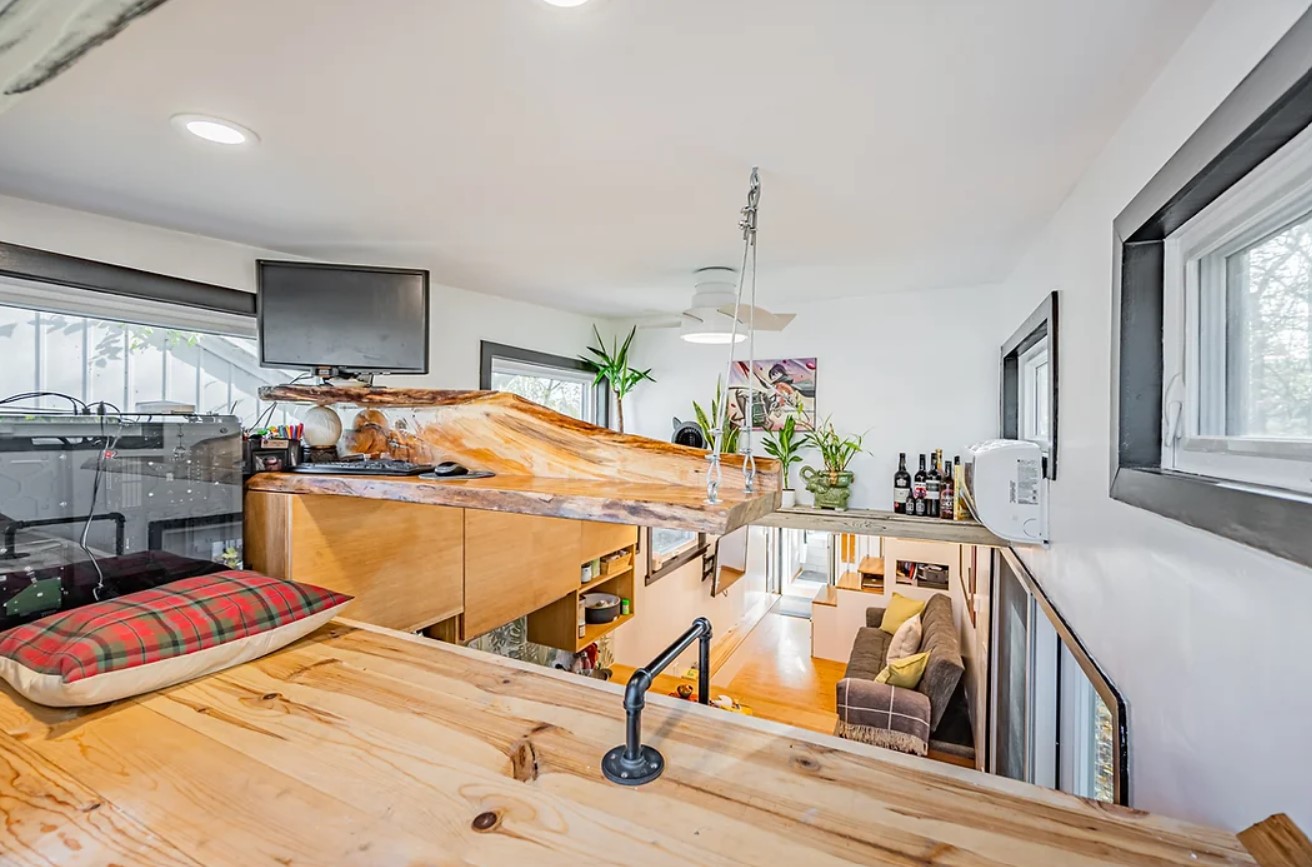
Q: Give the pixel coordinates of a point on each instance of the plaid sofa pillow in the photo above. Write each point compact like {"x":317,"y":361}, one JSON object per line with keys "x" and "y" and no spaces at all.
{"x":159,"y":637}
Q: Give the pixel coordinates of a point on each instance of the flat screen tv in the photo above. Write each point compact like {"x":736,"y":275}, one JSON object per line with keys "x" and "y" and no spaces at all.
{"x":342,"y":319}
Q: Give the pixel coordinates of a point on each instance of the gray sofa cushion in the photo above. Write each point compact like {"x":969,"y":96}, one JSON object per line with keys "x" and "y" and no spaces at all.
{"x":944,"y":669}
{"x":874,"y":616}
{"x":869,"y":653}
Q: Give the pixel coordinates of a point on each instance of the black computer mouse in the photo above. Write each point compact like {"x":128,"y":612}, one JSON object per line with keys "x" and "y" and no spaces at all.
{"x":450,"y":468}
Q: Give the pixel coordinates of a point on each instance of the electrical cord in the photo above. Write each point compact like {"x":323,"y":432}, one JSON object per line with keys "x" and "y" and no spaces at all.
{"x":267,"y":416}
{"x":106,"y":447}
{"x":79,"y":405}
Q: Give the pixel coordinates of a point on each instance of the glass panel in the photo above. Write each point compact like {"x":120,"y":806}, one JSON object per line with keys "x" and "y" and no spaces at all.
{"x":565,"y":396}
{"x":125,"y":364}
{"x":1012,"y":697}
{"x":1268,"y":384}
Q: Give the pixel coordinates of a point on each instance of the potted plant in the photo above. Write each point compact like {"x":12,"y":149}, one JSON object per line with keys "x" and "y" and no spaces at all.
{"x":785,"y":446}
{"x":706,"y":421}
{"x":832,"y":486}
{"x":613,"y":367}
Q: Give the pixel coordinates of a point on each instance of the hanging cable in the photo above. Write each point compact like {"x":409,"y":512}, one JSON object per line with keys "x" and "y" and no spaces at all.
{"x":720,"y":422}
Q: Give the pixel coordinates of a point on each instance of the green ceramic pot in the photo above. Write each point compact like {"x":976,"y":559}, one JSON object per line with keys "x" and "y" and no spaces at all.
{"x":831,"y":490}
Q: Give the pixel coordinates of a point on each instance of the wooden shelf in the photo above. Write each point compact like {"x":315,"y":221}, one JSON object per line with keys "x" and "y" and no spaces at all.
{"x":597,"y":582}
{"x":853,"y":581}
{"x":873,"y":522}
{"x":596,"y":630}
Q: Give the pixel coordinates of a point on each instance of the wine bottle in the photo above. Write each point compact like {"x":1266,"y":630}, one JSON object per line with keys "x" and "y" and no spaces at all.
{"x":933,"y":489}
{"x":948,"y":494}
{"x":901,"y":485}
{"x":918,"y":488}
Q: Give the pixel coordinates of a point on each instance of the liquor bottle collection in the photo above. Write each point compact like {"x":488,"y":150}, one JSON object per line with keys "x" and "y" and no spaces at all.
{"x":931,"y":492}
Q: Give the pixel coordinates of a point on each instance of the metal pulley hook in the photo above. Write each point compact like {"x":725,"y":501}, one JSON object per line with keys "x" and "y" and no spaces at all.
{"x":748,"y":222}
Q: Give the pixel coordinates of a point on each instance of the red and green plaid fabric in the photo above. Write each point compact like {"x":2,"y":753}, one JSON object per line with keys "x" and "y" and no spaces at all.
{"x":169,"y":621}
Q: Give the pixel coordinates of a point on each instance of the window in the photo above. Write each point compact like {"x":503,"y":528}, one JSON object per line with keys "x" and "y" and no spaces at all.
{"x":562,"y":384}
{"x":1209,"y":411}
{"x":1055,"y":720}
{"x":1237,"y":392}
{"x":1034,"y":394}
{"x":164,"y":353}
{"x":1029,"y":382}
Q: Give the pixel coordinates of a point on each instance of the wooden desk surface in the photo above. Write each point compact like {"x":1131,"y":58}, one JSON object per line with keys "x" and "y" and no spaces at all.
{"x":357,"y":746}
{"x":643,"y":504}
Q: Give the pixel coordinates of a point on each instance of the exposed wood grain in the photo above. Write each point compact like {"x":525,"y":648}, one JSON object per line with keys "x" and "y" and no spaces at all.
{"x":403,"y":562}
{"x":873,"y":522}
{"x":1277,"y":842}
{"x":357,"y":746}
{"x":515,"y":564}
{"x":635,"y":504}
{"x":507,"y":434}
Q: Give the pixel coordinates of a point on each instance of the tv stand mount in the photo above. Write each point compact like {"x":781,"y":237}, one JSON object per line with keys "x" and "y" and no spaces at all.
{"x":339,"y":376}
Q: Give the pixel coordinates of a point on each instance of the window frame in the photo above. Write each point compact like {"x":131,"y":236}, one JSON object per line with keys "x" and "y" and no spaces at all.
{"x":489,"y":353}
{"x":1037,"y":335}
{"x":1267,"y":110}
{"x":1272,"y":197}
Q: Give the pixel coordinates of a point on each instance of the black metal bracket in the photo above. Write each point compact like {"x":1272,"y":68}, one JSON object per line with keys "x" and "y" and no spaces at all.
{"x":633,"y":762}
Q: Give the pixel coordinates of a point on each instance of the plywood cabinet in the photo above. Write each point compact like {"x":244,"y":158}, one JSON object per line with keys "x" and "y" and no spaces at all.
{"x":597,"y":539}
{"x":515,"y":564}
{"x":413,"y":565}
{"x":403,"y":562}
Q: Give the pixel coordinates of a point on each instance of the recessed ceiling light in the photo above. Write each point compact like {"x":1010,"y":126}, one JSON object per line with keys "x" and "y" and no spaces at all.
{"x":215,"y":129}
{"x":566,"y":2}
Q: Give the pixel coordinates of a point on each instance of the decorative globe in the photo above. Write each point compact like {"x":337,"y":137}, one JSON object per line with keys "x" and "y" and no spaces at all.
{"x":322,"y":427}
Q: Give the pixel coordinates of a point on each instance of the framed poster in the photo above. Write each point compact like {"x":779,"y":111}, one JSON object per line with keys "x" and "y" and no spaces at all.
{"x":779,"y":387}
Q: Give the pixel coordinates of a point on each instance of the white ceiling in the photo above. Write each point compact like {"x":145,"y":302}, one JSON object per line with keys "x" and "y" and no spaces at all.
{"x":590,"y":158}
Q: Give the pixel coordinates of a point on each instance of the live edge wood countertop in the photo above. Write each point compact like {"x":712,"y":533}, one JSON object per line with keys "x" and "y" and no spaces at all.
{"x":546,"y":463}
{"x":364,"y":746}
{"x":644,"y":504}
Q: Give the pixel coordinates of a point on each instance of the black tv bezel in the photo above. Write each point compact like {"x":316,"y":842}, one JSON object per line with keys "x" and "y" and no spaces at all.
{"x":327,"y":266}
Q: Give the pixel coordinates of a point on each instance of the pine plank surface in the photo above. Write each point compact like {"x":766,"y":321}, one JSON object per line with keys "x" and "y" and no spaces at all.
{"x":363,"y":746}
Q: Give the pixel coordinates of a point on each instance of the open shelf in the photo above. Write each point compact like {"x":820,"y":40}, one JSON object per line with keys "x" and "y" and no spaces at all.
{"x":605,"y":579}
{"x":593,"y":631}
{"x":557,"y":623}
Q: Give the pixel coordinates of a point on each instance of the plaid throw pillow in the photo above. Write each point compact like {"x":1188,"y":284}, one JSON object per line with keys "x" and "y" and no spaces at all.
{"x":159,"y":637}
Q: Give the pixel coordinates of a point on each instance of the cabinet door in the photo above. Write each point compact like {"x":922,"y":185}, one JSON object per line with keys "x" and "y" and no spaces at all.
{"x":597,"y":539}
{"x":401,"y":561}
{"x":515,"y":564}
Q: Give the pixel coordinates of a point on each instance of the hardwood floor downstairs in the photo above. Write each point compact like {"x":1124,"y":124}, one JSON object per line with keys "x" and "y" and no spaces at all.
{"x":774,"y":674}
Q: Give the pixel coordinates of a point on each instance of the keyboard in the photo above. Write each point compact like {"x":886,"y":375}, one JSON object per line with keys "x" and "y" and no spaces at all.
{"x":372,"y":467}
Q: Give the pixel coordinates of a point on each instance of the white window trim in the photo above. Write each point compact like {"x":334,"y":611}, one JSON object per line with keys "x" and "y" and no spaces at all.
{"x":515,"y":367}
{"x":1028,"y":386}
{"x":1275,"y":194}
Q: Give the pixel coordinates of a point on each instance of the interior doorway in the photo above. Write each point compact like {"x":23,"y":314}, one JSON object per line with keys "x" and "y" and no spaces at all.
{"x":808,"y":568}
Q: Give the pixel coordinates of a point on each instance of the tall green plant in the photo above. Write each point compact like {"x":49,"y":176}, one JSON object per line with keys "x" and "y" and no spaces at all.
{"x":785,"y":446}
{"x":836,"y":452}
{"x":613,"y":366}
{"x":706,"y":421}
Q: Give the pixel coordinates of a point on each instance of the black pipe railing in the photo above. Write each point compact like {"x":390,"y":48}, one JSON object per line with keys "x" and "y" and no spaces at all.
{"x":633,"y":762}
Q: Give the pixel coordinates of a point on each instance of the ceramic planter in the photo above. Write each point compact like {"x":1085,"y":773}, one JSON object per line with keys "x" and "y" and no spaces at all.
{"x":789,"y":498}
{"x":831,"y":490}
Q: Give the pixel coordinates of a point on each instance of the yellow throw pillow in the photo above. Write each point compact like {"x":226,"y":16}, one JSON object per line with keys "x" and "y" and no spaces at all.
{"x":899,"y":611}
{"x":905,"y":672}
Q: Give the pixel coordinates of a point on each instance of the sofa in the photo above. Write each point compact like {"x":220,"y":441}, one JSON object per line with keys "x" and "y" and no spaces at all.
{"x":895,"y":717}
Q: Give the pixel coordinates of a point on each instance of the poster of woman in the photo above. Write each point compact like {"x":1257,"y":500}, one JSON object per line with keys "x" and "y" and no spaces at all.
{"x":779,"y":388}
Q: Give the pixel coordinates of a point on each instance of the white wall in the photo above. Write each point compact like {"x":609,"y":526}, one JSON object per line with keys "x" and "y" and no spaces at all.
{"x":1207,"y":639}
{"x":869,"y":377}
{"x":460,"y":319}
{"x":666,"y":608}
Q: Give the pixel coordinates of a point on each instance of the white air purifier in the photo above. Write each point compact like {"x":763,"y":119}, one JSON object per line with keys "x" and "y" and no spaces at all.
{"x":1007,"y":491}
